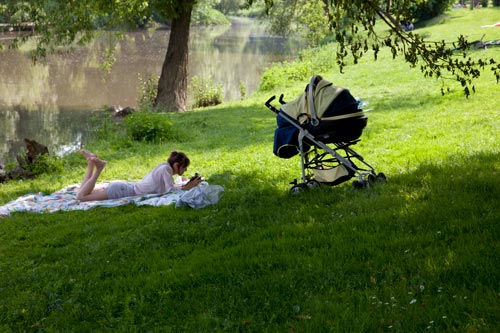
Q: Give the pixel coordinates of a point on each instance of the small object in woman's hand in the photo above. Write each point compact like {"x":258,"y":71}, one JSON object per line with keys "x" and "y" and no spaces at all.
{"x":196,"y":175}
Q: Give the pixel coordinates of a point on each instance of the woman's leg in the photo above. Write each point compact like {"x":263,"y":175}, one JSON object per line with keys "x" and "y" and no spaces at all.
{"x":90,"y":164}
{"x":89,"y":172}
{"x":87,"y":191}
{"x":87,"y":154}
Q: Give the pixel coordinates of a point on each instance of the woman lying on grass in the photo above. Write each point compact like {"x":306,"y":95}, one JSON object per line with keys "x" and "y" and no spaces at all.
{"x":158,"y":181}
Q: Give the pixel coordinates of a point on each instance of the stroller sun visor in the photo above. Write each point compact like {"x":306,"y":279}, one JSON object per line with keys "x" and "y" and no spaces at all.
{"x":330,"y":103}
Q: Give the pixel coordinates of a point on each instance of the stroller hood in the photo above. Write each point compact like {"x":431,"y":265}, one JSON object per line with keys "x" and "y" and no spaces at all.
{"x":324,"y":94}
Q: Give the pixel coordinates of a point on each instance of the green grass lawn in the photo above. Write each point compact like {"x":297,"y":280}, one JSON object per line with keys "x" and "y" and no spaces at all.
{"x":419,"y":253}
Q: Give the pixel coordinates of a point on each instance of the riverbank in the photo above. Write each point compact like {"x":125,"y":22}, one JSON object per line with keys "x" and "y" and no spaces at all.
{"x":54,"y":99}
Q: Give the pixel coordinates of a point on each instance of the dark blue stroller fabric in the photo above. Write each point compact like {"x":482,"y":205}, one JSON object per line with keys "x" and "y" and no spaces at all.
{"x":286,"y":142}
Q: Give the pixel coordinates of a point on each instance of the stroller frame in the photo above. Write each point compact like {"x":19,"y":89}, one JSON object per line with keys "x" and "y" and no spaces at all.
{"x":341,"y":154}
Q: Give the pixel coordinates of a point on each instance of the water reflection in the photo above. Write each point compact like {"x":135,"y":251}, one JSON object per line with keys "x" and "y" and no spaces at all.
{"x":49,"y":102}
{"x":61,"y":130}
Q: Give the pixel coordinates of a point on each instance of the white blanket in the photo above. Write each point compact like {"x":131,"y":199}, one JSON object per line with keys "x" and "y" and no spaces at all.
{"x":65,"y":200}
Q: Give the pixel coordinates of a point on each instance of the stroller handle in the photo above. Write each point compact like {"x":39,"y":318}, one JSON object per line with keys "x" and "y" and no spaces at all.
{"x":282,"y":101}
{"x":270,"y":106}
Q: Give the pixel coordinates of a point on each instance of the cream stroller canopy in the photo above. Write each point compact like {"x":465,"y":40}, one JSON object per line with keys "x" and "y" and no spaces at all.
{"x":323,"y":101}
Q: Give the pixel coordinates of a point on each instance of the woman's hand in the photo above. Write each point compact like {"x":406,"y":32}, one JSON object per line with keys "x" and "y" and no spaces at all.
{"x":192,"y":183}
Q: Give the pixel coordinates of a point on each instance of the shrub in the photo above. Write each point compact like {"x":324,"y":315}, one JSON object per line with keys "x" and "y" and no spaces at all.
{"x":45,"y":164}
{"x":148,"y":126}
{"x":147,"y":90}
{"x":496,"y":3}
{"x":424,"y":10}
{"x":205,"y":92}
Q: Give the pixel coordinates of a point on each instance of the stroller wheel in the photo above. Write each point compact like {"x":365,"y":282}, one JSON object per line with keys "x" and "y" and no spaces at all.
{"x":381,"y":177}
{"x":360,"y":184}
{"x":298,"y":188}
{"x":313,"y":183}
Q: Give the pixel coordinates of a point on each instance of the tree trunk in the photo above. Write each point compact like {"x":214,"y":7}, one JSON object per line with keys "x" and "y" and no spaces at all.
{"x":172,"y":86}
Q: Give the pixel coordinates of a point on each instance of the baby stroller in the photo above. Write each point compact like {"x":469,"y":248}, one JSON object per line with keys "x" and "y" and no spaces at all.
{"x":322,"y":125}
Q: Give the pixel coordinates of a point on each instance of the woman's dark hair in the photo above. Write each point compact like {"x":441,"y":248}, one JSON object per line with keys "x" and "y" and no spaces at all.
{"x":178,"y":157}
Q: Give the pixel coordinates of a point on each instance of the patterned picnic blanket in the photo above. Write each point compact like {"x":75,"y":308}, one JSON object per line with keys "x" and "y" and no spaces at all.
{"x":65,"y":200}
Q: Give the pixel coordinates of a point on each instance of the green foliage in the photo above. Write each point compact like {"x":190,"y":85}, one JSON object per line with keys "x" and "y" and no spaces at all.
{"x":427,"y":9}
{"x":282,"y":17}
{"x":109,"y":60}
{"x":228,"y":7}
{"x":243,"y":89}
{"x":46,"y":164}
{"x":496,"y":3}
{"x":304,"y":19}
{"x":15,"y":12}
{"x":147,"y":90}
{"x":22,"y":11}
{"x":352,"y":21}
{"x":149,"y":127}
{"x":434,"y":58}
{"x":104,"y":127}
{"x":310,"y":62}
{"x":208,"y":16}
{"x":355,"y":26}
{"x":9,"y":166}
{"x":205,"y":91}
{"x":3,"y":12}
{"x":313,"y":18}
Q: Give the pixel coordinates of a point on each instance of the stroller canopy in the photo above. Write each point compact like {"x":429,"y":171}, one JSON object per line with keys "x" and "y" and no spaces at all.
{"x":328,"y":102}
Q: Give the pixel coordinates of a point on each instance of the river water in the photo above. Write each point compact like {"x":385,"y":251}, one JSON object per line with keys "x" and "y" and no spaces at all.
{"x":51,"y":101}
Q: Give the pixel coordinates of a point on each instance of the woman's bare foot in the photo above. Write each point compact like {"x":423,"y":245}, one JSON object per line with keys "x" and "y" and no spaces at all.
{"x":87,"y":154}
{"x":99,"y":164}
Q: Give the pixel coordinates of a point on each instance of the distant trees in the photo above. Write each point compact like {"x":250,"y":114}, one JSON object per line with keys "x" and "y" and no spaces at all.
{"x":305,"y":18}
{"x":15,"y":12}
{"x":228,"y":6}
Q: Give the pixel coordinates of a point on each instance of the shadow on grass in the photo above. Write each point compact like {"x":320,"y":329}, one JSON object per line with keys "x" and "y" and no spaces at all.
{"x":266,"y":259}
{"x":433,"y":228}
{"x":408,"y":102}
{"x":433,"y":192}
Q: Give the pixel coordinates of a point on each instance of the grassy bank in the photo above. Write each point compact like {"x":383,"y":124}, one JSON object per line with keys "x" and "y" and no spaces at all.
{"x":416,"y":254}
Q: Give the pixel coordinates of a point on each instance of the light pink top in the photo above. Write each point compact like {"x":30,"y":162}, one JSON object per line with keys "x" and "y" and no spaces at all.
{"x":160,"y":180}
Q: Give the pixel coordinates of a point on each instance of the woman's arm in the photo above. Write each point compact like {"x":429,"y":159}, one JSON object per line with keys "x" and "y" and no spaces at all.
{"x":191,"y":183}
